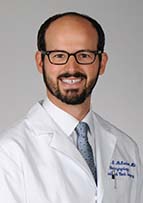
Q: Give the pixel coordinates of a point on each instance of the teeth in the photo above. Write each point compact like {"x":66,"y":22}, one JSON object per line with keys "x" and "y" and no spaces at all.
{"x":71,"y":81}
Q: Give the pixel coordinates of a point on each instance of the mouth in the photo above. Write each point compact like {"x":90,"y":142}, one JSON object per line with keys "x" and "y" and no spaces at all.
{"x":71,"y":81}
{"x":72,"y":78}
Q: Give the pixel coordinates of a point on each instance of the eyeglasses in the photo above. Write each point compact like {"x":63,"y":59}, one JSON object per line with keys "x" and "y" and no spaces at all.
{"x":61,"y":57}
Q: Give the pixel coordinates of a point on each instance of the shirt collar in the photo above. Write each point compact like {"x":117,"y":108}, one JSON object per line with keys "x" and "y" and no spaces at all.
{"x":64,"y":120}
{"x":89,"y":120}
{"x":68,"y":122}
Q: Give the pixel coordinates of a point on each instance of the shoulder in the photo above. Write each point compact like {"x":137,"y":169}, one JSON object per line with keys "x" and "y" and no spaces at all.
{"x":121,"y":136}
{"x":14,"y":139}
{"x":12,"y":133}
{"x":36,"y":122}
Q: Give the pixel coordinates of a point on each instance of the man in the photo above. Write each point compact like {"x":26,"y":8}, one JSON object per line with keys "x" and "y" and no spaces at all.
{"x":62,"y":152}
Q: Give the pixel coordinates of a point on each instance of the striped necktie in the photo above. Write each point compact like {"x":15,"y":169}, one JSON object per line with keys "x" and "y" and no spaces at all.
{"x":84,"y":146}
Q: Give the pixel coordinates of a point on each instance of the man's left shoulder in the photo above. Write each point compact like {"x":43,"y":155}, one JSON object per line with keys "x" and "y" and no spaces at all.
{"x":112,"y":129}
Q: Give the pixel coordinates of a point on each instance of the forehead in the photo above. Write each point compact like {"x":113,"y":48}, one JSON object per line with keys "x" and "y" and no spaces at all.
{"x":71,"y":28}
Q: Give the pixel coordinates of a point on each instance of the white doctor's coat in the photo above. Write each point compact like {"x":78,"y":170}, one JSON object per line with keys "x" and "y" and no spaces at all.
{"x":39,"y":164}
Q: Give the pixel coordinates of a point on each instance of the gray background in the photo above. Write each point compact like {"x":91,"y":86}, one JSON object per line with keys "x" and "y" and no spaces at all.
{"x":118,"y":96}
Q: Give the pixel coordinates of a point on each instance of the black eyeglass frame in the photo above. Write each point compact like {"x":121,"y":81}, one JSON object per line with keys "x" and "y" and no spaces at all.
{"x":48,"y":52}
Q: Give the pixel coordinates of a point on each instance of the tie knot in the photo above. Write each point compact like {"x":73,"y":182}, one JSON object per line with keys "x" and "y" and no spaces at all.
{"x":81,"y":129}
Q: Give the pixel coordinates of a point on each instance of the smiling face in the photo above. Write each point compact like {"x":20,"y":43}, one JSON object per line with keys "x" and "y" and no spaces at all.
{"x":71,"y":83}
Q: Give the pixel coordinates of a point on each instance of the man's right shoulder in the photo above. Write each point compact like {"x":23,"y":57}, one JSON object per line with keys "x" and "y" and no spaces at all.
{"x":35,"y":121}
{"x":18,"y":129}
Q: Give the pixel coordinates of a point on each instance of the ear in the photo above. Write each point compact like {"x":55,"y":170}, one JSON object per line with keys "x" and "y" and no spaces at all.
{"x":39,"y":62}
{"x":103,"y":63}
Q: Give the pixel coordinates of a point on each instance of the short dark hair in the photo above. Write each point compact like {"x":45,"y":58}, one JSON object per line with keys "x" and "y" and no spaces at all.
{"x":41,"y":33}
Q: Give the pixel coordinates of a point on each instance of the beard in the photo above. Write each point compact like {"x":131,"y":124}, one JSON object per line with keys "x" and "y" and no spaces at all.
{"x":72,"y":96}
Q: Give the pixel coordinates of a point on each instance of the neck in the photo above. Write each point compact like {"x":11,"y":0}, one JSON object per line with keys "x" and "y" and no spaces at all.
{"x":78,"y":111}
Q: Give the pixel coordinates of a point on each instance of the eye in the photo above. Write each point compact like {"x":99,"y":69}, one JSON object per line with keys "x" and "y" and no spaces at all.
{"x":58,"y":55}
{"x":85,"y":55}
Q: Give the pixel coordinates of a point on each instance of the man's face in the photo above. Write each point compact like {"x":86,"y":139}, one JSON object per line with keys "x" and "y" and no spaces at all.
{"x":72,"y":83}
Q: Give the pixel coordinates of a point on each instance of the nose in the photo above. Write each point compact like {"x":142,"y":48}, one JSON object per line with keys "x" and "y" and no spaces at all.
{"x":72,"y":66}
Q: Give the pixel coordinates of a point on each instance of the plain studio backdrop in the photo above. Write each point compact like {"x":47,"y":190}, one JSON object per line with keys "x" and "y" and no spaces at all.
{"x":118,"y":96}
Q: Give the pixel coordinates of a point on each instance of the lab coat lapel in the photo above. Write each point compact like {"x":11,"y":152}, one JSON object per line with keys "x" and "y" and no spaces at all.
{"x":42,"y":124}
{"x":61,"y":143}
{"x":105,"y":145}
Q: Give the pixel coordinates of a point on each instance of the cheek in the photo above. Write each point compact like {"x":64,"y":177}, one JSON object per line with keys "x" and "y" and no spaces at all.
{"x":51,"y":71}
{"x":93,"y":69}
{"x":92,"y":73}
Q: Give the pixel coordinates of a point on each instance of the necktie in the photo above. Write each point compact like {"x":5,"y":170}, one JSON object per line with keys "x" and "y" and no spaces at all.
{"x":84,"y":146}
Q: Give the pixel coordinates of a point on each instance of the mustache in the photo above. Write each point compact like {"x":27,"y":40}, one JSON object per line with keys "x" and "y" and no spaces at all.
{"x":77,"y":75}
